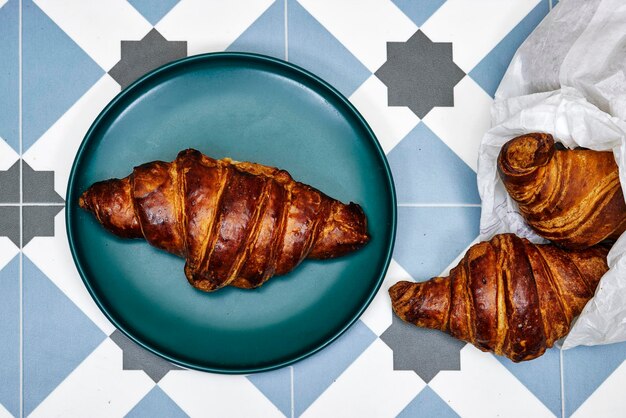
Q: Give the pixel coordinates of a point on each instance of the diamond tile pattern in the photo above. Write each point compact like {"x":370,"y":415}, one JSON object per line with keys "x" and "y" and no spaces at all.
{"x":266,"y":35}
{"x":490,"y":70}
{"x":56,"y":72}
{"x":585,"y":369}
{"x":153,"y":10}
{"x":155,"y":404}
{"x":9,"y":73}
{"x":430,"y":238}
{"x":10,"y":332}
{"x":443,"y":177}
{"x":428,"y":404}
{"x":307,"y":37}
{"x":57,"y":336}
{"x":423,"y":73}
{"x":419,"y":11}
{"x":548,"y":388}
{"x":313,"y":375}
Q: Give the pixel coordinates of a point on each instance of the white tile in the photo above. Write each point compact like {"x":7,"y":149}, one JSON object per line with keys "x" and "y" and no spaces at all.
{"x":57,"y":147}
{"x":98,"y":387}
{"x":2,"y":3}
{"x":98,"y":27}
{"x":368,"y":388}
{"x":475,"y":27}
{"x":378,"y":315}
{"x":7,"y":155}
{"x":608,"y":399}
{"x":390,"y":124}
{"x":485,"y":388}
{"x":197,"y":393}
{"x":3,"y":411}
{"x":8,"y":250}
{"x":363,"y":26}
{"x":462,"y":127}
{"x":52,"y":256}
{"x":209,"y":26}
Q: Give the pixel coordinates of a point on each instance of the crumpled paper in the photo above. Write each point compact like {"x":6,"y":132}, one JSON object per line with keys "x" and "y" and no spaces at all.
{"x":567,"y":79}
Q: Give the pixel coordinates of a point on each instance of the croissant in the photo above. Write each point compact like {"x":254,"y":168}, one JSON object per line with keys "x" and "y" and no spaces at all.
{"x":571,"y":197}
{"x":235,"y":223}
{"x":507,"y":295}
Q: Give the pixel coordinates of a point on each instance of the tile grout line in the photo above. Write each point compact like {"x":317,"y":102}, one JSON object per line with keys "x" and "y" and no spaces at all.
{"x":21,"y":204}
{"x":21,"y":268}
{"x":292,"y":397}
{"x":550,"y":6}
{"x":562,"y":383}
{"x":286,"y":31}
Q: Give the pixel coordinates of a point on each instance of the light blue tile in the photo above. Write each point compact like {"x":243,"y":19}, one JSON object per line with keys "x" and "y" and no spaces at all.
{"x":266,"y":35}
{"x":9,"y":73}
{"x":58,"y":336}
{"x":276,"y":386}
{"x":430,"y":238}
{"x":585,"y":369}
{"x":153,"y":10}
{"x":427,"y":404}
{"x":491,"y":69}
{"x":314,"y":48}
{"x":315,"y":374}
{"x":547,"y":388}
{"x":425,"y":170}
{"x":56,"y":72}
{"x":10,"y":337}
{"x":157,"y":404}
{"x":419,"y":10}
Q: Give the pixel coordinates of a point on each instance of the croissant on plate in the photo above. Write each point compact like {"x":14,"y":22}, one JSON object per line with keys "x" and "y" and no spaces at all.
{"x":507,"y":295}
{"x":235,"y":223}
{"x":571,"y":197}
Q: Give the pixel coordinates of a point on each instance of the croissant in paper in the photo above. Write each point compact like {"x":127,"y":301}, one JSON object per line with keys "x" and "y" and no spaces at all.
{"x":507,"y":295}
{"x":571,"y":197}
{"x":235,"y":223}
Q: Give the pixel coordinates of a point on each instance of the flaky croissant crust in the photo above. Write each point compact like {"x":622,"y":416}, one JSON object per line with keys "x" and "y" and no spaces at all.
{"x":235,"y":223}
{"x":571,"y":197}
{"x":507,"y":295}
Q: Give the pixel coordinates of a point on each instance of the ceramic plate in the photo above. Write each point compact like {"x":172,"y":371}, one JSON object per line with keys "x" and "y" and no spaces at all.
{"x":250,"y":108}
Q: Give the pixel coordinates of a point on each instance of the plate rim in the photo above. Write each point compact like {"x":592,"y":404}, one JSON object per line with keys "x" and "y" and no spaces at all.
{"x":70,"y":198}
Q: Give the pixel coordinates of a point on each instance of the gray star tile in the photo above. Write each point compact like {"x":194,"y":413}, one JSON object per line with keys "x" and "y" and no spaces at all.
{"x":39,"y":186}
{"x":139,"y":57}
{"x":137,"y":358}
{"x":10,"y":223}
{"x":10,"y":184}
{"x":38,"y":221}
{"x":425,"y":351}
{"x":420,"y":74}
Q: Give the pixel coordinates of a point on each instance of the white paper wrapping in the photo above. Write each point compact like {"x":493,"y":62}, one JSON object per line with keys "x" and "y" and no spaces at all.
{"x":567,"y":79}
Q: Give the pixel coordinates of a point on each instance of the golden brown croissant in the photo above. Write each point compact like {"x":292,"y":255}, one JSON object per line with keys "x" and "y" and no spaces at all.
{"x":571,"y":197}
{"x":235,"y":223}
{"x":507,"y":295}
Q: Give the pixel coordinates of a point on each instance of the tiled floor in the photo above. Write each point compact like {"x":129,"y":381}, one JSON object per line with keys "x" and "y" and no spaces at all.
{"x":422,"y":73}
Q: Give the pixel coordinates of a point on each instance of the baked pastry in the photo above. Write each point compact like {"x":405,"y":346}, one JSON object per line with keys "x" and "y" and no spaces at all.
{"x":571,"y":197}
{"x":507,"y":295}
{"x":235,"y":223}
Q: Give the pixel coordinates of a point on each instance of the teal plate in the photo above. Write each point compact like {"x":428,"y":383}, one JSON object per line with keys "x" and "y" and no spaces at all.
{"x":250,"y":108}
